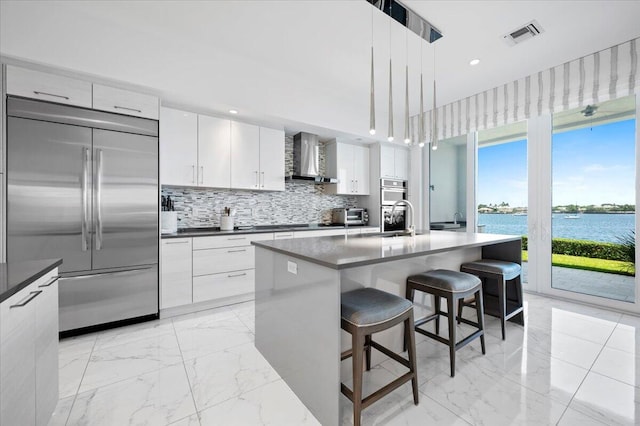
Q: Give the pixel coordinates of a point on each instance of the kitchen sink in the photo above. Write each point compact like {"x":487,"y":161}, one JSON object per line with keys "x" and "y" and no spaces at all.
{"x":395,"y":234}
{"x":447,"y":225}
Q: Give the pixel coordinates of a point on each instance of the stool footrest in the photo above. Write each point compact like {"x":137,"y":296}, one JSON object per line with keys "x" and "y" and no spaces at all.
{"x":432,"y":335}
{"x":390,"y":354}
{"x":469,"y":322}
{"x":385,"y":390}
{"x":464,"y":342}
{"x":428,"y":318}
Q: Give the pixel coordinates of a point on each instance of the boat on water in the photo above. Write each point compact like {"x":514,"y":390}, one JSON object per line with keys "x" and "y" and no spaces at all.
{"x":520,"y":214}
{"x":572,"y":216}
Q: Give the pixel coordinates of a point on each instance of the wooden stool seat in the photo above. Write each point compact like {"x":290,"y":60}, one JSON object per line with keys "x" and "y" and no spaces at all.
{"x":502,"y":289}
{"x":452,"y":286}
{"x":366,"y":311}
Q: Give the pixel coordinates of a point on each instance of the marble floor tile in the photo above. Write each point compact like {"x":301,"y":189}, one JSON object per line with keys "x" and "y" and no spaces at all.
{"x":156,"y":398}
{"x":206,"y":336}
{"x":132,"y":333}
{"x":543,"y":374}
{"x":272,"y":404}
{"x":572,"y":417}
{"x":398,"y":407}
{"x":226,"y":374}
{"x":71,"y":369}
{"x":484,"y":398}
{"x":202,"y":318}
{"x":619,"y":365}
{"x":61,"y":412}
{"x":608,"y":400}
{"x":78,"y":345}
{"x":625,"y":338}
{"x":192,"y":420}
{"x":114,"y":363}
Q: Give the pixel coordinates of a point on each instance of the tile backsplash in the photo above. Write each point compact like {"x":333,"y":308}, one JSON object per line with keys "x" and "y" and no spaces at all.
{"x":301,"y":202}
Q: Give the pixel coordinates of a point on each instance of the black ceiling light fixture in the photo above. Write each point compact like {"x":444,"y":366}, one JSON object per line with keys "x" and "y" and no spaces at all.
{"x":408,"y":18}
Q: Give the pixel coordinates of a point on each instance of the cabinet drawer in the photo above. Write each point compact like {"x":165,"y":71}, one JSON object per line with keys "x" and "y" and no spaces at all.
{"x":213,"y":261}
{"x":48,"y":87}
{"x":121,"y":101}
{"x":200,"y":243}
{"x":217,"y":286}
{"x":370,"y":230}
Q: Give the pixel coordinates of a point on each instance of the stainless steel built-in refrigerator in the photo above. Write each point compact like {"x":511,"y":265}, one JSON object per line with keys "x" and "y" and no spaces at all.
{"x":82,"y":185}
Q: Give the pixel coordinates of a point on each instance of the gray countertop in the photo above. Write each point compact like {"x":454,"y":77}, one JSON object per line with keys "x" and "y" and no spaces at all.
{"x":203,"y":232}
{"x":348,"y":252}
{"x":17,"y":275}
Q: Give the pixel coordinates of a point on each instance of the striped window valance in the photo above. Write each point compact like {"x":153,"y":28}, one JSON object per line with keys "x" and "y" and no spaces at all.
{"x":601,"y":76}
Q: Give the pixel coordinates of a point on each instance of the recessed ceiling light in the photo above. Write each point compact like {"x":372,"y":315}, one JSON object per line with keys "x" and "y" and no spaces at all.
{"x":233,"y":111}
{"x":474,"y":62}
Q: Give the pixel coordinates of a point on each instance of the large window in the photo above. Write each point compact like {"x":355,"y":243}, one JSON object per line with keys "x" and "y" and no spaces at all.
{"x":593,"y":200}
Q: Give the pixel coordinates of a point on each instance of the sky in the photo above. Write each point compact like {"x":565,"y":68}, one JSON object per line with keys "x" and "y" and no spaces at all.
{"x":590,"y":166}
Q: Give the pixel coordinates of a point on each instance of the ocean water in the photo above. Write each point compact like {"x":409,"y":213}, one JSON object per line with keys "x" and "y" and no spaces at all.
{"x":594,"y":227}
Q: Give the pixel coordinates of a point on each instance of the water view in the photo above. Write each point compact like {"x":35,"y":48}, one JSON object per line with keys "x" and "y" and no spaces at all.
{"x":595,"y":227}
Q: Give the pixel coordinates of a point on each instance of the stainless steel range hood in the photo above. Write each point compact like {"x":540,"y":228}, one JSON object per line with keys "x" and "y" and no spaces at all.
{"x":306,"y":159}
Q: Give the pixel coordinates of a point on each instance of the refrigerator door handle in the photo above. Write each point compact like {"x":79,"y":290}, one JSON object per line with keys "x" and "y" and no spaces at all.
{"x":85,"y":199}
{"x":99,"y":200}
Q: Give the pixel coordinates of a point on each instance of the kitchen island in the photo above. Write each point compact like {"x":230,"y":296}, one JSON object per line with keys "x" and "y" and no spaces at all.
{"x":28,"y":341}
{"x":298,"y":286}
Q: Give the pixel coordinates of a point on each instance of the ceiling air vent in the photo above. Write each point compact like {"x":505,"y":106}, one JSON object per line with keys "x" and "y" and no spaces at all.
{"x":532,"y":29}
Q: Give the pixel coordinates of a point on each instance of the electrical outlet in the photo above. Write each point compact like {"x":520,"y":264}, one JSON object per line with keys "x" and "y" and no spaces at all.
{"x":292,"y":267}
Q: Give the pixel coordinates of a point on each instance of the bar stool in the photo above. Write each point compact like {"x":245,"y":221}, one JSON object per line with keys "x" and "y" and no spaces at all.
{"x":507,"y":303}
{"x":453,"y":286}
{"x":364,"y":312}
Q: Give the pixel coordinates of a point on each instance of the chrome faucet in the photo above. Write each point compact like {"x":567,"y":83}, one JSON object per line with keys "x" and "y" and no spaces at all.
{"x":411,"y":227}
{"x":455,"y":215}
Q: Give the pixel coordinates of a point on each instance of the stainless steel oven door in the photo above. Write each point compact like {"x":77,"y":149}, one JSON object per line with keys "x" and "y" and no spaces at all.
{"x":395,"y":222}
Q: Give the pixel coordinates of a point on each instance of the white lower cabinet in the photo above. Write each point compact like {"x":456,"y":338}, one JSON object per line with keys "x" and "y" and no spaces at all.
{"x":208,"y":269}
{"x":29,"y":353}
{"x":226,"y":284}
{"x":176,"y":272}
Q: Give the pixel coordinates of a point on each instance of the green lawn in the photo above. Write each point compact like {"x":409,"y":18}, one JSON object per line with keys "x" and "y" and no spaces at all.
{"x":590,"y":264}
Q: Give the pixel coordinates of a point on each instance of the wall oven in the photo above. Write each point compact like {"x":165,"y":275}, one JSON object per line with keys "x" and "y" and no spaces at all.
{"x":392,"y":190}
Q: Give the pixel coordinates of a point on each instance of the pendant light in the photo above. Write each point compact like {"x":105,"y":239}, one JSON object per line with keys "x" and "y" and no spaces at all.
{"x":421,"y":132}
{"x":390,"y":131}
{"x":407,"y":139}
{"x":434,"y":111}
{"x":372,"y":107}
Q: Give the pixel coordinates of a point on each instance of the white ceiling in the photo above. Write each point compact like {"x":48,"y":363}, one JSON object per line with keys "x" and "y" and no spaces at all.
{"x":304,"y":65}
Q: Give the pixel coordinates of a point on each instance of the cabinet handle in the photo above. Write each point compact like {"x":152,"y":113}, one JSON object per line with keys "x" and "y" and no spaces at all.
{"x":26,"y":300}
{"x":239,"y":238}
{"x":262,"y":179}
{"x":236,"y":275}
{"x":202,"y":174}
{"x":235,"y":251}
{"x":356,"y":186}
{"x":193,"y":173}
{"x":127,"y":109}
{"x":177,"y":242}
{"x":48,"y":283}
{"x":51,"y":94}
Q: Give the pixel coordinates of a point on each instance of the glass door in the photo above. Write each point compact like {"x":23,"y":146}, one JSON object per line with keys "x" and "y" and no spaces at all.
{"x":502,"y":184}
{"x":593,"y":198}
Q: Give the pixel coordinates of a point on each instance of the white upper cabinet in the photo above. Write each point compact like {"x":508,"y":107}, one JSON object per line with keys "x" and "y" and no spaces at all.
{"x":350,"y":164}
{"x":48,"y":87}
{"x":214,"y":152}
{"x":245,"y":156}
{"x":178,"y":147}
{"x":394,"y":162}
{"x":110,"y":99}
{"x":257,"y":157}
{"x":271,"y":159}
